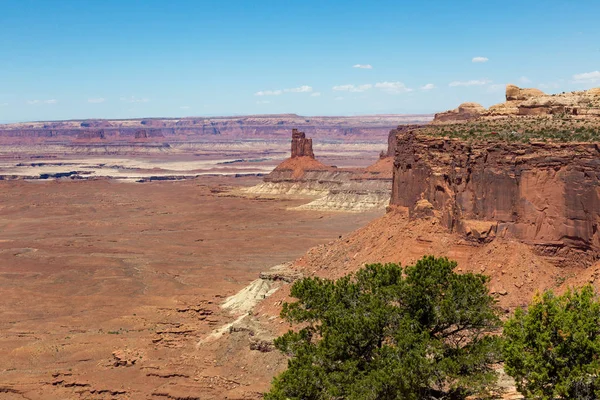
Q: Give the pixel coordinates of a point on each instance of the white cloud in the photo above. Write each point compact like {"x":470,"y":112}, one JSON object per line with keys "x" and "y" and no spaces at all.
{"x":301,"y":89}
{"x":352,"y":88}
{"x":134,"y":99}
{"x":393,"y":87}
{"x":97,"y":100}
{"x":473,"y":82}
{"x":263,"y":102}
{"x":339,"y":98}
{"x":363,"y":66}
{"x":50,"y":101}
{"x":524,"y":79}
{"x":429,"y":86}
{"x":587,"y":77}
{"x":390,"y":87}
{"x":480,"y":59}
{"x":269,"y":93}
{"x":315,"y":94}
{"x":185,"y":107}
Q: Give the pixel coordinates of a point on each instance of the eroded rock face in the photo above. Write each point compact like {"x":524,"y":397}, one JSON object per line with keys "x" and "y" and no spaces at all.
{"x":543,"y":194}
{"x":301,"y":146}
{"x":464,"y":112}
{"x":91,"y":134}
{"x":393,"y":139}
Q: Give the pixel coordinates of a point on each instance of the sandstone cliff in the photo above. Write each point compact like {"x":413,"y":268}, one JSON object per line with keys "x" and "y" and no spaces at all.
{"x":543,"y":194}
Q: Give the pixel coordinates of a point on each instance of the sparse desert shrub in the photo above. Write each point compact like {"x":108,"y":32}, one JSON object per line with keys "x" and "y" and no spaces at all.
{"x":422,"y":332}
{"x":553,"y":348}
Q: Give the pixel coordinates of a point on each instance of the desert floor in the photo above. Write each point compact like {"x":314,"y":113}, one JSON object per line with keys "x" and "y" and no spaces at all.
{"x":107,"y":287}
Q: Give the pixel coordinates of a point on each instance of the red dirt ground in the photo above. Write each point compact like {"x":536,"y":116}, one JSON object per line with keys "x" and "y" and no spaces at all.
{"x":107,"y":287}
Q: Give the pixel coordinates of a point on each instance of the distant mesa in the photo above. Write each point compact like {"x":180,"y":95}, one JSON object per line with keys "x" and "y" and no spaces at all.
{"x":95,"y":123}
{"x":155,"y":123}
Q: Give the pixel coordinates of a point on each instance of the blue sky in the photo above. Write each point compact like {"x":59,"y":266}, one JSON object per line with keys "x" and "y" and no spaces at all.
{"x":135,"y":58}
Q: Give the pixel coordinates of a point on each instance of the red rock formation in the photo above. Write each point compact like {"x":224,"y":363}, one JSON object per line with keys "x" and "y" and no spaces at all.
{"x":465,"y":111}
{"x":301,"y":161}
{"x":529,"y":102}
{"x":515,"y":93}
{"x":393,"y":140}
{"x":543,"y":194}
{"x":301,"y":146}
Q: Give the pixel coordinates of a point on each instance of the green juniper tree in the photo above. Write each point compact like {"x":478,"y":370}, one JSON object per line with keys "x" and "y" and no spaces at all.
{"x":422,"y":332}
{"x":553,"y":348}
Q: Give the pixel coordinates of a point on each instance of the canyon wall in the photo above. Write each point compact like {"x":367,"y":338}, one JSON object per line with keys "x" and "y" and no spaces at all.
{"x":192,"y":128}
{"x":544,"y":194}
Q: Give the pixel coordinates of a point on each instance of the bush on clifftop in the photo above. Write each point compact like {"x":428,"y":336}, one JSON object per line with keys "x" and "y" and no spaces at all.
{"x":422,"y":332}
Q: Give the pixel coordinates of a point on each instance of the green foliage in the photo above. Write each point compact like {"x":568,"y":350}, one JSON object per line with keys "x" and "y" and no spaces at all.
{"x":558,"y":128}
{"x":422,"y":332}
{"x":552,"y":349}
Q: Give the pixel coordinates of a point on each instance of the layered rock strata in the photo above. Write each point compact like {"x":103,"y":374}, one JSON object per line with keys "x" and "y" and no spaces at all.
{"x":544,"y":194}
{"x":198,"y":128}
{"x":330,"y":188}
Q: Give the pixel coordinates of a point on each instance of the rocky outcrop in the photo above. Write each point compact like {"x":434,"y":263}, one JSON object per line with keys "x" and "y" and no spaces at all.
{"x":528,"y":102}
{"x":301,"y":145}
{"x":393,"y":139}
{"x":464,"y":112}
{"x":543,"y":194}
{"x":514,"y":93}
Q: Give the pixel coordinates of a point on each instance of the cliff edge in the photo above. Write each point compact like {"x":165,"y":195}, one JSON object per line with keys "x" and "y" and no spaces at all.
{"x":543,"y":194}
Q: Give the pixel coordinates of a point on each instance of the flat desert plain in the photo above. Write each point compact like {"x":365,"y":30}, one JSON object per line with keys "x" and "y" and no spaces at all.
{"x":107,"y":286}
